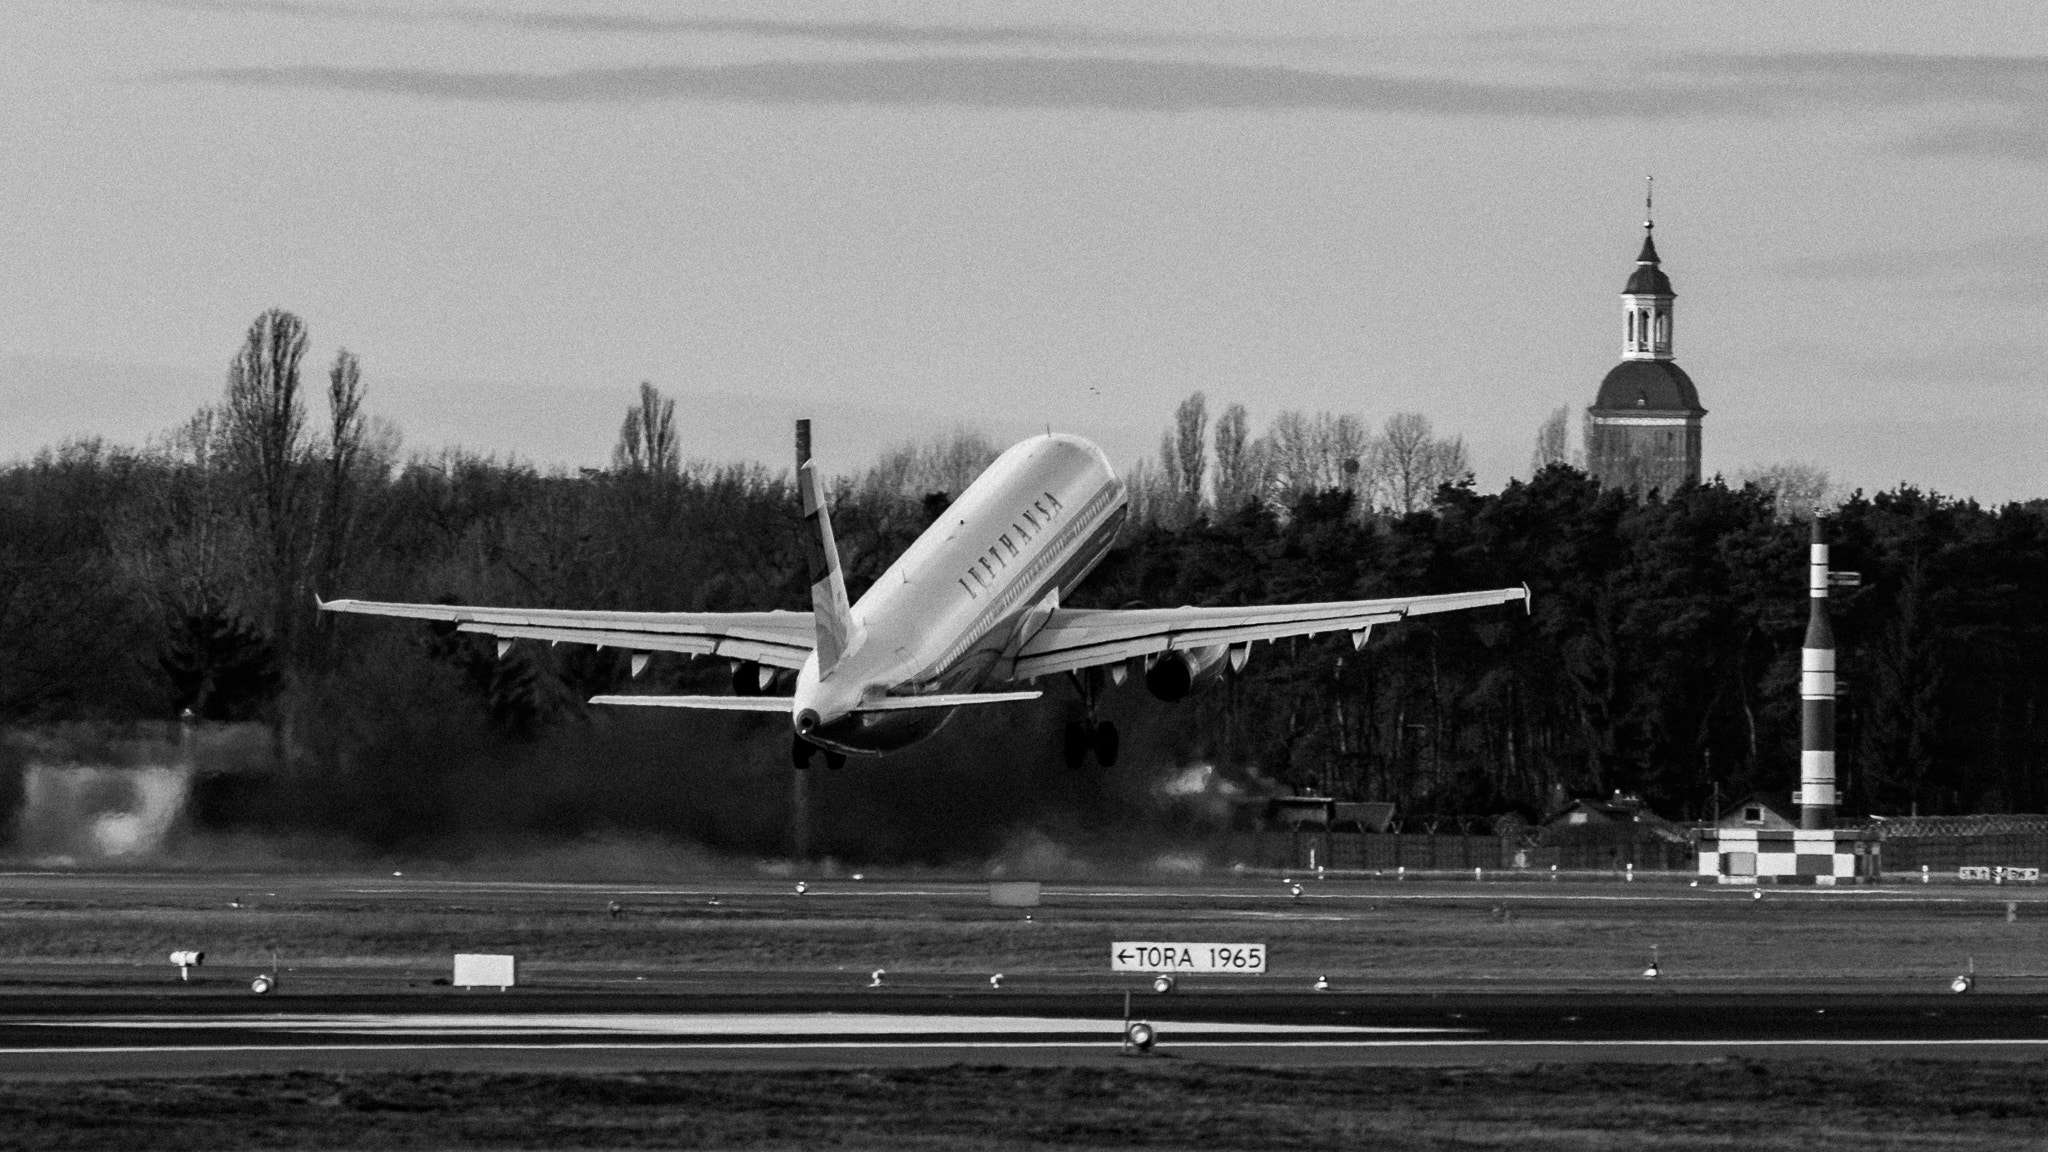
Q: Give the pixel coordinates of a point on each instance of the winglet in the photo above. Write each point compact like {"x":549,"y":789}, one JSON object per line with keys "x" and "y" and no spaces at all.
{"x":829,"y":606}
{"x":1528,"y":600}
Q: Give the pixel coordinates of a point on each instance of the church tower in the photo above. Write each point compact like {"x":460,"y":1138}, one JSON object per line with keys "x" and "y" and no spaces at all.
{"x":1643,"y":431}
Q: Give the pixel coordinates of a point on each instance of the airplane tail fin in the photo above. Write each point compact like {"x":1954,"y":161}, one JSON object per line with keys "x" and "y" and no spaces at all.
{"x":829,"y":605}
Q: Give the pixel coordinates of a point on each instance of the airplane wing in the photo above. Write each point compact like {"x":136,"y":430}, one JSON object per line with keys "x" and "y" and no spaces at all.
{"x":777,"y":639}
{"x":1076,"y":638}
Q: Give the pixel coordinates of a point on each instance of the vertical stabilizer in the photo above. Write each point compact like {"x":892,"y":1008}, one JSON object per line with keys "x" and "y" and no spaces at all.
{"x":829,"y":607}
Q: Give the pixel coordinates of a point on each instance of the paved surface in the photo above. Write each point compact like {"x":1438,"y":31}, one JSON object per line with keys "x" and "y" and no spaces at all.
{"x":124,"y":1034}
{"x":126,"y":1016}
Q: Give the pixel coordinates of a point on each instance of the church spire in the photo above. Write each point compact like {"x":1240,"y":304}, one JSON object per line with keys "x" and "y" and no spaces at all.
{"x":1643,"y":430}
{"x":1646,"y":301}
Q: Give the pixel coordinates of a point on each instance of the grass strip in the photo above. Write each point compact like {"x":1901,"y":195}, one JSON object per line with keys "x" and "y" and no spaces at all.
{"x":1754,"y":1105}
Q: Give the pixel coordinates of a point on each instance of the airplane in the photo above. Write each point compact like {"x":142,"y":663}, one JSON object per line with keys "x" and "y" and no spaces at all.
{"x":970,"y":615}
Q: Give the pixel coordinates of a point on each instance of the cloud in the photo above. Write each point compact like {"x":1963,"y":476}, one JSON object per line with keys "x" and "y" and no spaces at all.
{"x":873,"y":33}
{"x":992,"y":82}
{"x":1871,"y":78}
{"x":1942,"y":370}
{"x":1677,"y":87}
{"x":2023,"y":140}
{"x":2008,"y":267}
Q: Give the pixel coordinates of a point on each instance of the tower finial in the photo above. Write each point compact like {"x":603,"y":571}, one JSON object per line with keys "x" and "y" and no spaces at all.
{"x":1649,"y":187}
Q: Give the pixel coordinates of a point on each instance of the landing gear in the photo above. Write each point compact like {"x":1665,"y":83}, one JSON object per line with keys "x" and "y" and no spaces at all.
{"x":1075,"y":741}
{"x":1080,"y":737}
{"x":1106,"y":744}
{"x":801,"y":751}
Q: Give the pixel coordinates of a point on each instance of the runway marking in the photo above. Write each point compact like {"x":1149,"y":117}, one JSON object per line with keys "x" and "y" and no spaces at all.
{"x":686,"y":1024}
{"x":1165,"y":1040}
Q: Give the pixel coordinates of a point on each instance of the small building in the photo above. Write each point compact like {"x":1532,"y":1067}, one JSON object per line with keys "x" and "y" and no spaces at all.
{"x":1758,"y":840}
{"x":1822,"y":856}
{"x":1296,"y":813}
{"x":1772,"y":810}
{"x":1614,"y":833}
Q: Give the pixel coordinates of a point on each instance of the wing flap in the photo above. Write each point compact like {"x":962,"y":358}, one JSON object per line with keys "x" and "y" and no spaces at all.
{"x":782,"y":704}
{"x":778,"y":639}
{"x":773,"y":655}
{"x":1084,"y":638}
{"x":943,"y":700}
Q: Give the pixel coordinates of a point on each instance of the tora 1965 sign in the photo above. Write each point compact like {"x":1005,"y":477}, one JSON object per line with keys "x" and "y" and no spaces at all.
{"x":1243,"y":959}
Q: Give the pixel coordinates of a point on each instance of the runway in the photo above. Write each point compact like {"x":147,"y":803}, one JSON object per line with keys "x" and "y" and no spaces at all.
{"x":122,"y":1035}
{"x":772,"y":971}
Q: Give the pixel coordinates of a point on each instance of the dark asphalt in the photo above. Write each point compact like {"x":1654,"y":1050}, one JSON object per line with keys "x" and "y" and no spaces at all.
{"x":130,"y":1034}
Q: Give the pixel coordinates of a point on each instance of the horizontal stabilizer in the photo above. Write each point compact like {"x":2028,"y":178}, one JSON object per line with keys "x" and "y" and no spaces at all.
{"x":944,"y":700}
{"x":780,"y":704}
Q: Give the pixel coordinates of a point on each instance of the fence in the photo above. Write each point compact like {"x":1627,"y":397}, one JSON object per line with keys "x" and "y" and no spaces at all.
{"x":1945,"y":854}
{"x":1452,"y":851}
{"x":1449,"y":852}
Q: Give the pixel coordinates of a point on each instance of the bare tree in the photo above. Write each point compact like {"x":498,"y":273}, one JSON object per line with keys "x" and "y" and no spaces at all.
{"x":647,"y":439}
{"x":263,"y":422}
{"x":1190,"y":449}
{"x":1240,"y":462}
{"x":946,"y":463}
{"x":345,"y":441}
{"x":1151,"y":497}
{"x":1800,"y":490}
{"x":1552,"y":445}
{"x":1411,"y":463}
{"x":1315,"y":453}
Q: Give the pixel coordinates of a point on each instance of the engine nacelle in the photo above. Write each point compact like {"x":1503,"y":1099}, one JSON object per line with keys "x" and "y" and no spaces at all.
{"x":1175,"y":674}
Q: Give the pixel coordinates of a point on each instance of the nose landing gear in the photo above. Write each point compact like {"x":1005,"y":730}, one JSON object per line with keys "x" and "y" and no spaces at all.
{"x":801,"y":751}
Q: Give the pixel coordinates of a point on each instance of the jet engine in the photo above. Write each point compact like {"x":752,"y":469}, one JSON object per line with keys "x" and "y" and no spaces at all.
{"x":1175,"y":674}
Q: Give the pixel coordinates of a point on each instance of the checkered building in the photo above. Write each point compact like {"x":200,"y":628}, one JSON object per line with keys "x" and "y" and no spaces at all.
{"x":1823,"y":856}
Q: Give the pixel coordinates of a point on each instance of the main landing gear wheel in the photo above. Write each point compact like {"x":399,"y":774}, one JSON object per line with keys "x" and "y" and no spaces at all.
{"x":1075,"y":741}
{"x":1106,"y":744}
{"x":1081,"y":737}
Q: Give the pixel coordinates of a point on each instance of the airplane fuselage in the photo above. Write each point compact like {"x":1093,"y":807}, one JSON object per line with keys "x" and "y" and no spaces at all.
{"x":954,"y":609}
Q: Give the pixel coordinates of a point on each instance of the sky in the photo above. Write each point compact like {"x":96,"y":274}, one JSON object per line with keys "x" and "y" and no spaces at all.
{"x":904,"y":218}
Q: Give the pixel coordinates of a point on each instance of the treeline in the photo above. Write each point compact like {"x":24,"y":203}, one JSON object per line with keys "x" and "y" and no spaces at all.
{"x":1661,"y":655}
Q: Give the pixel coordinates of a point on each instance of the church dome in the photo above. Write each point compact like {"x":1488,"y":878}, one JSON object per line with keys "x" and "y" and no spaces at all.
{"x":1648,"y":386}
{"x":1648,"y":279}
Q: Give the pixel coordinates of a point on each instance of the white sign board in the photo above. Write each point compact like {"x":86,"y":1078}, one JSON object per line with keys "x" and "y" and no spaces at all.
{"x":1137,"y":956}
{"x":482,"y":970}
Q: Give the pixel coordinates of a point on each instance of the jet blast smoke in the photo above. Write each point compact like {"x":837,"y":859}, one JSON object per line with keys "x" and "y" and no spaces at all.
{"x":411,"y":769}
